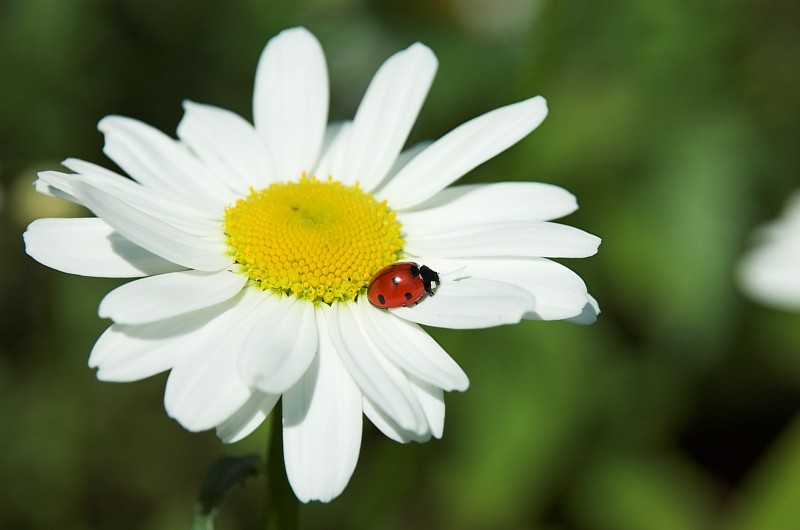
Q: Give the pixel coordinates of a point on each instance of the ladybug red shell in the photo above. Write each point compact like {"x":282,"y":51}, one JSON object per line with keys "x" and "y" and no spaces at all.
{"x":402,"y":284}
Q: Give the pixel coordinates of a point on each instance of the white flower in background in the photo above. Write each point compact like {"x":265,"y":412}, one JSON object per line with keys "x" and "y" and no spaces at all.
{"x":256,"y":244}
{"x":770,"y":272}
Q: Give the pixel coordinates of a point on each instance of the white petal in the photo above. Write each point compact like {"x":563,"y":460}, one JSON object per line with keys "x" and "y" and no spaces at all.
{"x":204,"y":388}
{"x":771,"y":273}
{"x":411,"y":348}
{"x":432,"y":400}
{"x":333,"y":149}
{"x":386,"y":115}
{"x":470,"y":303}
{"x":385,"y":385}
{"x":384,"y":423}
{"x":58,"y":184}
{"x":532,"y":239}
{"x":55,"y":184}
{"x":322,"y":425}
{"x":247,"y":419}
{"x":228,"y":146}
{"x":168,"y":295}
{"x":129,"y":353}
{"x":290,"y":104}
{"x":123,"y":357}
{"x":90,"y":247}
{"x":160,"y":163}
{"x":461,"y":150}
{"x":64,"y":186}
{"x":168,"y":210}
{"x":405,"y":157}
{"x":430,"y":397}
{"x":589,"y":313}
{"x":559,"y":292}
{"x":91,"y":169}
{"x":478,"y":204}
{"x":277,"y":352}
{"x":154,"y":234}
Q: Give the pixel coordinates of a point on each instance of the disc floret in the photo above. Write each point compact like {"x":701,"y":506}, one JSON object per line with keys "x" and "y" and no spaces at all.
{"x":317,"y":240}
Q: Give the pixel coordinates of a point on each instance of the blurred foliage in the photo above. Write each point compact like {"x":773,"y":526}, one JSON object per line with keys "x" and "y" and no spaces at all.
{"x":675,"y":124}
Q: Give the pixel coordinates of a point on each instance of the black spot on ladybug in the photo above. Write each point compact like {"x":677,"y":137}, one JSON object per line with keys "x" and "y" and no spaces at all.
{"x":396,"y":280}
{"x":409,"y":296}
{"x":381,"y":299}
{"x":414,"y":270}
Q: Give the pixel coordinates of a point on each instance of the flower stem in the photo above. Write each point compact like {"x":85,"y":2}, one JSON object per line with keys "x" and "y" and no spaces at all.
{"x":281,"y":504}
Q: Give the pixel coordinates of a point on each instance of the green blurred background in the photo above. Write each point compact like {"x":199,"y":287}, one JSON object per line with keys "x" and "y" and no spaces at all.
{"x":675,"y":124}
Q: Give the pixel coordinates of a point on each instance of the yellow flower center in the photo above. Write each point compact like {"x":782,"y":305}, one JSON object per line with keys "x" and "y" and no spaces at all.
{"x":319,"y":241}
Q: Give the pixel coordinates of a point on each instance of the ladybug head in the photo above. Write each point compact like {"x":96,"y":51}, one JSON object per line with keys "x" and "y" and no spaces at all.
{"x":430,"y":279}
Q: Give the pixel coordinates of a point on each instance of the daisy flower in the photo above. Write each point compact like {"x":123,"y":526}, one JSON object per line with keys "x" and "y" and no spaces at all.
{"x":256,"y":243}
{"x":770,"y":272}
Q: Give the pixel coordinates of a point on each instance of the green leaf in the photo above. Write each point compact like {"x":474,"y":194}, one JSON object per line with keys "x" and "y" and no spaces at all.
{"x":221,"y":477}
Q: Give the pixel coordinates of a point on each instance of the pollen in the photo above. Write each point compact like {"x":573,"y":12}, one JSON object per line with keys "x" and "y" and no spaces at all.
{"x":317,"y":240}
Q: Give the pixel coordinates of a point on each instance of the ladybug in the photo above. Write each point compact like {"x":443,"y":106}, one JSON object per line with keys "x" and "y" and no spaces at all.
{"x":402,"y":284}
